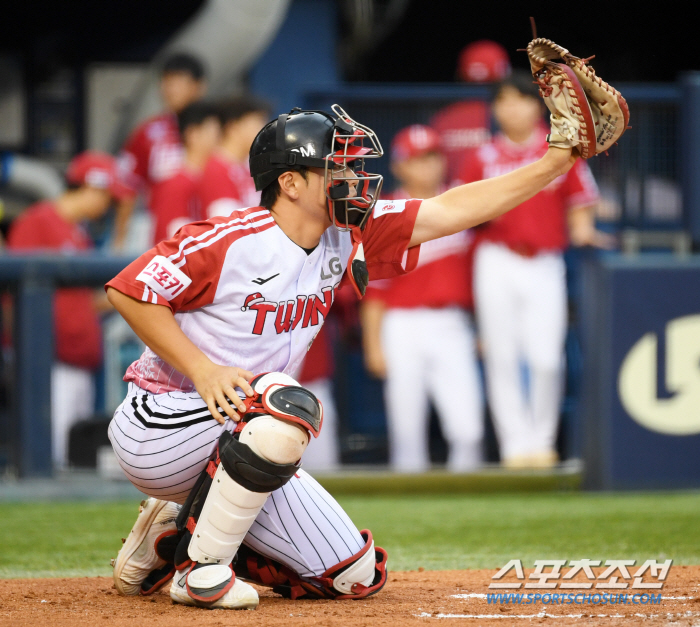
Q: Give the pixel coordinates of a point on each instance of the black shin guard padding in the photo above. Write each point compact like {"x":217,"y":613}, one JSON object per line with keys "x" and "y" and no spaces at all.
{"x":166,"y":547}
{"x":157,"y":578}
{"x":249,"y":470}
{"x":181,"y":554}
{"x":195,"y":501}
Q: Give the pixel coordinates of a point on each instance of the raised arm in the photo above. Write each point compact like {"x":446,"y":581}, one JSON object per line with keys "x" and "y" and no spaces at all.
{"x":156,"y":326}
{"x":468,"y":205}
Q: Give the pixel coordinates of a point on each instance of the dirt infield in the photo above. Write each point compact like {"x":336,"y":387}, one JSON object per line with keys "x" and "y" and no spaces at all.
{"x":409,"y":598}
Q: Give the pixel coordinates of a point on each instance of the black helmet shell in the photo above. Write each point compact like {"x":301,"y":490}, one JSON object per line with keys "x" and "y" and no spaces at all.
{"x":294,"y":139}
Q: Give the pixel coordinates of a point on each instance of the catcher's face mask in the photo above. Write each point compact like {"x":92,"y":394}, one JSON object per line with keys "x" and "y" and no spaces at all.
{"x":349,"y":205}
{"x":352,"y":192}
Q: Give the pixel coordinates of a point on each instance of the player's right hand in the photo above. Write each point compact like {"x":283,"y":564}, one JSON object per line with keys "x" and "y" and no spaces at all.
{"x":216,"y":384}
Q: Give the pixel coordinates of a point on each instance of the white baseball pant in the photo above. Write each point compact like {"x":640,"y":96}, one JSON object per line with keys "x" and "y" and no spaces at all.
{"x":72,"y":400}
{"x":521,"y":311}
{"x":430,"y":355}
{"x":163,"y":443}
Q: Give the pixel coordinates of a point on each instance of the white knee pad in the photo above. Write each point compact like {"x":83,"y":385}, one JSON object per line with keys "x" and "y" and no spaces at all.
{"x":277,"y":441}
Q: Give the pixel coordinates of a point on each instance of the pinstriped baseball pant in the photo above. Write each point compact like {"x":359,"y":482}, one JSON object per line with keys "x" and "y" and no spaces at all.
{"x":163,"y":443}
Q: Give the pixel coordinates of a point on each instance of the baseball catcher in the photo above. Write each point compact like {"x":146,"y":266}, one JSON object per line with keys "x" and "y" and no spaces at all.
{"x":227,"y":308}
{"x":587,"y":113}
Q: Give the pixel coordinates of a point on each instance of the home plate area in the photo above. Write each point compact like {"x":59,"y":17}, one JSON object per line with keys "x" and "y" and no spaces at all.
{"x":409,"y":598}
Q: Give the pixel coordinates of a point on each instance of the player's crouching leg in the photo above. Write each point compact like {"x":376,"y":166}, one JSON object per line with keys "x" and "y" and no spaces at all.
{"x":262,"y":456}
{"x":357,"y":577}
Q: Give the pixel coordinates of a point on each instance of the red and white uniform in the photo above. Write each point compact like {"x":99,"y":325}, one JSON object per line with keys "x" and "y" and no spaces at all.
{"x":175,"y":202}
{"x":225,"y":186}
{"x":428,"y":344}
{"x":78,"y":334}
{"x":463,"y":127}
{"x":247,"y":296}
{"x":520,"y":294}
{"x":153,"y":153}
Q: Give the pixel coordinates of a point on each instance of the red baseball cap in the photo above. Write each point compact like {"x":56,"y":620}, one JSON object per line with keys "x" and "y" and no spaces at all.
{"x":97,"y":169}
{"x":413,"y":141}
{"x":483,"y":61}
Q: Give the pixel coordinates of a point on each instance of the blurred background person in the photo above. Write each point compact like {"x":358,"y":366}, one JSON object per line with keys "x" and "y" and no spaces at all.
{"x":520,"y":278}
{"x":175,"y":201}
{"x":57,"y":226}
{"x":464,"y":126}
{"x":417,"y":332}
{"x":317,"y":375}
{"x":226,"y":182}
{"x":153,"y":152}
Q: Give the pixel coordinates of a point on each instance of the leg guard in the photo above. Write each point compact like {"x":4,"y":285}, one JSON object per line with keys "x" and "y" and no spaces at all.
{"x":358,"y":577}
{"x":230,"y":497}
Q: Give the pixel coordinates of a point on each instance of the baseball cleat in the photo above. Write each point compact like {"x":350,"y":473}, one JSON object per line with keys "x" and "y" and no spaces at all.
{"x":240,"y":596}
{"x":137,"y":557}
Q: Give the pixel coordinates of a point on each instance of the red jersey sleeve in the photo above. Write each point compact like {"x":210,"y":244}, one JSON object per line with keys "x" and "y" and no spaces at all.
{"x":181,"y":273}
{"x":580,"y":188}
{"x":386,"y":237}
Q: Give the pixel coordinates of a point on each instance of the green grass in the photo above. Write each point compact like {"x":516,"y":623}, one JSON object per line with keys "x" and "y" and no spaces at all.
{"x":435,"y":532}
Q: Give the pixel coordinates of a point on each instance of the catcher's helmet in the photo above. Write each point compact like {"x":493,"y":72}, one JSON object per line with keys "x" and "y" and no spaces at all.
{"x":318,"y":139}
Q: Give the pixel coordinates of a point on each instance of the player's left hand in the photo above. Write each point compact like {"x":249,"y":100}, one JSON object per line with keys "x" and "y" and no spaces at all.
{"x":215,"y":384}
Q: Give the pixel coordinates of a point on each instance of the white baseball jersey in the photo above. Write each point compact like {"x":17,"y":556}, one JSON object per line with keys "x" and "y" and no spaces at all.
{"x":247,"y":295}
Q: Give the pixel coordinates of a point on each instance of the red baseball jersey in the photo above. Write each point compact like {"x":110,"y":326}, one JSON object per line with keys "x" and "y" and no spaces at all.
{"x":247,"y":295}
{"x":225,"y":186}
{"x":442,"y":277}
{"x":175,"y":202}
{"x":463,"y":127}
{"x":539,"y":224}
{"x":153,"y":153}
{"x":76,"y":323}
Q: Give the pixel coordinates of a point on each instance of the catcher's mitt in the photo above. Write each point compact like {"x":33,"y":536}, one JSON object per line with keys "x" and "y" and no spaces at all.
{"x":587,"y":113}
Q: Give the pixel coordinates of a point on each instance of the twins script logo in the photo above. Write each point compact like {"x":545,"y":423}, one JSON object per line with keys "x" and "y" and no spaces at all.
{"x":305,"y":310}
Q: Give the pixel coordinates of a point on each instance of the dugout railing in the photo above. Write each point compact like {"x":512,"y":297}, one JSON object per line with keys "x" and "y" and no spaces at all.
{"x":31,"y":282}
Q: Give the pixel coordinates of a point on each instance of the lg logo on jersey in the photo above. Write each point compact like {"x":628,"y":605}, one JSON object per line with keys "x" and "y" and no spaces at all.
{"x":289,"y":314}
{"x":335,"y":268}
{"x":637,"y":383}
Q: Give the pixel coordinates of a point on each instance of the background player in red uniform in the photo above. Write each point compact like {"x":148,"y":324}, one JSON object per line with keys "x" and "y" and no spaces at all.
{"x":416,"y":330}
{"x":464,"y":126}
{"x":176,"y":201}
{"x":153,"y":152}
{"x":520,"y":278}
{"x":56,"y":226}
{"x":226,"y":182}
